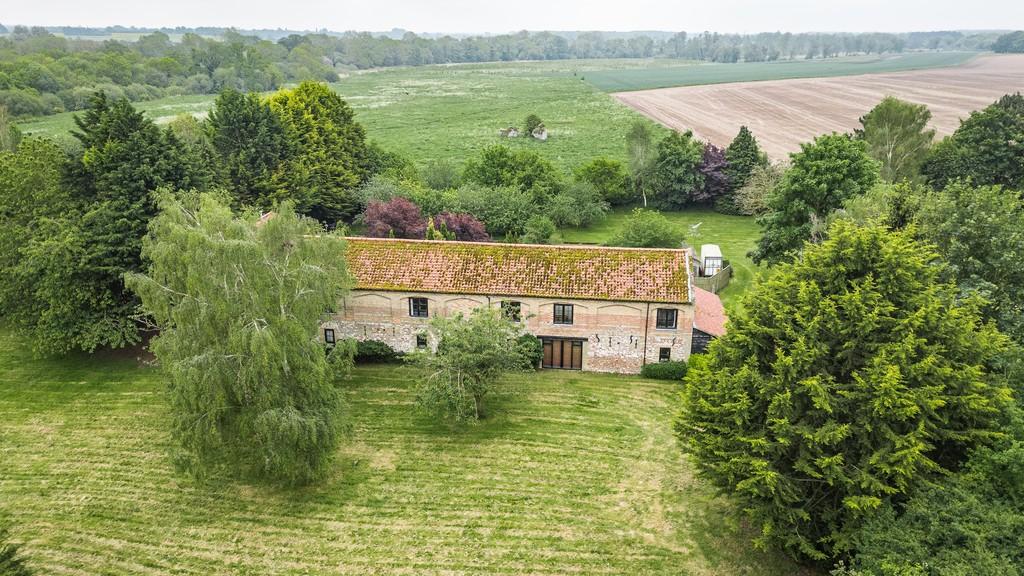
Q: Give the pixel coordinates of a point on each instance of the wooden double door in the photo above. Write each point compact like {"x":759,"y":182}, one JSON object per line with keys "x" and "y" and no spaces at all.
{"x":563,"y":353}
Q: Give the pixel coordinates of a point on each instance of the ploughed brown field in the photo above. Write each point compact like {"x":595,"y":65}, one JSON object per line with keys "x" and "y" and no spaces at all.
{"x":784,"y":113}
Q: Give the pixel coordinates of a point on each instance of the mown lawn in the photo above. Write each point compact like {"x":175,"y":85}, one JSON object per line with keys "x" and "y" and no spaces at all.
{"x":573,"y":473}
{"x":736,"y":235}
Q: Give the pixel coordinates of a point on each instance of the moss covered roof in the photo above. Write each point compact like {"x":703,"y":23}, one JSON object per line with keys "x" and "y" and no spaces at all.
{"x":571,"y":272}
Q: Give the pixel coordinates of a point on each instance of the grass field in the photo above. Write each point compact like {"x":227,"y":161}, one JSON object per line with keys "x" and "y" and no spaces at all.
{"x":574,"y":473}
{"x":736,"y":235}
{"x":620,"y":80}
{"x":451,"y":112}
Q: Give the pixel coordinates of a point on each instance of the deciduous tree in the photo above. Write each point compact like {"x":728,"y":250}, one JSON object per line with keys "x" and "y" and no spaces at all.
{"x":676,"y":177}
{"x":238,"y":303}
{"x":499,"y":166}
{"x":848,"y":380}
{"x":980,"y":232}
{"x":473,"y":354}
{"x":823,"y":175}
{"x":752,"y":198}
{"x":642,"y":157}
{"x":987,"y":148}
{"x":898,"y":137}
{"x":579,"y":205}
{"x":609,"y":177}
{"x":714,"y":171}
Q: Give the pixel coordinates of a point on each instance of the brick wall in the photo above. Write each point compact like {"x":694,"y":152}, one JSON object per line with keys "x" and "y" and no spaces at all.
{"x":613,"y":332}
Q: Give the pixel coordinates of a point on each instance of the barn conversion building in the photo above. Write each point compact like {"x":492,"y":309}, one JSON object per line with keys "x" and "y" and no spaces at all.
{"x":594,"y":308}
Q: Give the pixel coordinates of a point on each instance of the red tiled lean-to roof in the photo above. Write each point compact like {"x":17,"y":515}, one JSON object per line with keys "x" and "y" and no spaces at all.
{"x":709,"y":314}
{"x":571,"y":272}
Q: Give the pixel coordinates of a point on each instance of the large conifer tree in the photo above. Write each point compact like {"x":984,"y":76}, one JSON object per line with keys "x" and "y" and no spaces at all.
{"x":849,"y":379}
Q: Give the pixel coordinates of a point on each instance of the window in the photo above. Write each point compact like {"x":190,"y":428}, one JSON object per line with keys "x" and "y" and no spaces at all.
{"x":329,"y":335}
{"x":664,"y":354}
{"x":666,"y":319}
{"x":418,"y":307}
{"x":421,"y":341}
{"x":512,"y":310}
{"x":563,"y":314}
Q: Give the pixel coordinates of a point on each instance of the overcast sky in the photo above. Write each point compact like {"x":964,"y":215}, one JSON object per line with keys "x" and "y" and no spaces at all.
{"x":511,"y":15}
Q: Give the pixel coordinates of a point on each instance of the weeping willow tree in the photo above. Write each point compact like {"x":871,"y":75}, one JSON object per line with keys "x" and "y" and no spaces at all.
{"x":238,"y":303}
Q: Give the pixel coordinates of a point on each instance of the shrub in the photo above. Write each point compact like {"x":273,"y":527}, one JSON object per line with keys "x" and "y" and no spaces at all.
{"x":647,"y":229}
{"x":504,"y":211}
{"x":675,"y":370}
{"x":463,"y":226}
{"x":398,"y":218}
{"x":374,"y":352}
{"x":442,"y":175}
{"x":531,"y":123}
{"x":579,"y":206}
{"x":609,"y":177}
{"x":539,"y":230}
{"x":533,"y":349}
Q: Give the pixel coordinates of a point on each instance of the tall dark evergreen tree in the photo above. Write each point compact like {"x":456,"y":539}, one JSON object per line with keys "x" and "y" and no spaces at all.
{"x":251,"y":143}
{"x":743,"y":155}
{"x":330,"y":152}
{"x":77,"y":259}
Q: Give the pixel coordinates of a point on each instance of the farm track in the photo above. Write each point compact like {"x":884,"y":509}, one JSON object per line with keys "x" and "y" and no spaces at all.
{"x":784,"y":113}
{"x":574,"y":473}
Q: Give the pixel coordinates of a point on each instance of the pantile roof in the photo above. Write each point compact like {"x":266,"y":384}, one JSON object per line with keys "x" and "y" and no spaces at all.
{"x":709,"y":314}
{"x":570,"y":272}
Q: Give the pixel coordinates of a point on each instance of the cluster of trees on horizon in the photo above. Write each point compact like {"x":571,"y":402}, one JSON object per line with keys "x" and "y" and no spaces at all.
{"x":42,"y":73}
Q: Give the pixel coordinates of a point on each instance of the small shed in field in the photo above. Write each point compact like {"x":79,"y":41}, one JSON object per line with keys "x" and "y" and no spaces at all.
{"x":711,"y":261}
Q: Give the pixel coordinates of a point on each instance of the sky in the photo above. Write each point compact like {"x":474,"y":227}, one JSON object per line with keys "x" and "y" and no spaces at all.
{"x":478,"y":16}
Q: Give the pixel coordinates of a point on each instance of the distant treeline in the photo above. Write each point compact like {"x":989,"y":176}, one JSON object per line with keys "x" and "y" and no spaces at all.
{"x":43,"y":73}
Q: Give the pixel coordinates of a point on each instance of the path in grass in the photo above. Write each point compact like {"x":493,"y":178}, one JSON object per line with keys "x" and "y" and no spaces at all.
{"x":689,"y":74}
{"x":575,"y":473}
{"x":736,"y":235}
